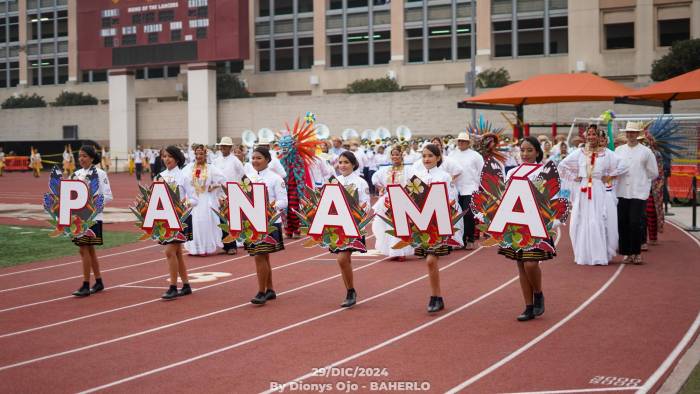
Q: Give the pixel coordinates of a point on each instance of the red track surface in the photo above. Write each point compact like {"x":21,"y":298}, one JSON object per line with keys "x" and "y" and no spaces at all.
{"x":618,"y":322}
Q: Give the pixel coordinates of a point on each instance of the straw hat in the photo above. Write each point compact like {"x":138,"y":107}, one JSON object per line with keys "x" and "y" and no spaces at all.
{"x":634,"y":126}
{"x":463,"y":137}
{"x":226,"y":141}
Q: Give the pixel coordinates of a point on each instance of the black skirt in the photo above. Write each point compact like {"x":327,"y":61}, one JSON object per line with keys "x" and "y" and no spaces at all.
{"x":442,"y":250}
{"x":534,"y":254}
{"x":187,"y":232}
{"x":351,"y":248}
{"x":259,"y":248}
{"x":91,"y":241}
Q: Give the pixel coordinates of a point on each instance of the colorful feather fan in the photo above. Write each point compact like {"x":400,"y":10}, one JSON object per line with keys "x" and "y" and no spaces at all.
{"x":663,"y":135}
{"x":298,"y":150}
{"x":486,"y":138}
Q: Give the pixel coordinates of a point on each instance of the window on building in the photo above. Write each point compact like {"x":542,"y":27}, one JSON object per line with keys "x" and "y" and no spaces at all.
{"x":447,"y":36}
{"x":136,"y":19}
{"x":464,"y":41}
{"x":264,"y":8}
{"x":13,"y":29}
{"x":62,"y":23}
{"x":305,"y":6}
{"x":156,"y":72}
{"x":558,"y":35}
{"x":284,"y":55}
{"x":263,"y":55}
{"x":4,"y":80}
{"x":149,"y":17}
{"x":336,"y":4}
{"x":129,"y":39}
{"x":201,"y":32}
{"x":203,"y":11}
{"x":284,"y":7}
{"x":415,"y":45}
{"x":673,"y":30}
{"x":619,"y":35}
{"x":173,"y":71}
{"x":335,"y":50}
{"x":109,"y":42}
{"x":166,"y":16}
{"x":502,"y":39}
{"x":99,"y":76}
{"x":152,"y":38}
{"x":175,"y":35}
{"x":306,"y":52}
{"x":440,"y":43}
{"x":357,"y":3}
{"x":382,"y":47}
{"x":62,"y":76}
{"x":358,"y":49}
{"x":530,"y":37}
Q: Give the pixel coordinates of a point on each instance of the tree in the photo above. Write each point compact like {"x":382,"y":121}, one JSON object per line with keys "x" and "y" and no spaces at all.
{"x":683,"y":57}
{"x":492,"y":78}
{"x":228,"y":86}
{"x":374,"y":86}
{"x":24,"y":101}
{"x":67,"y":99}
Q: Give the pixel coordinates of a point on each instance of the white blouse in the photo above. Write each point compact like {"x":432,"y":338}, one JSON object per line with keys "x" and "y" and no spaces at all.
{"x":433,"y":175}
{"x":104,"y":189}
{"x":360,"y":185}
{"x":178,"y":177}
{"x":276,"y":189}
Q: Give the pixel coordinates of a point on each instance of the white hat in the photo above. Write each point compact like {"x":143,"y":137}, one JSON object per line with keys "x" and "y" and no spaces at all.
{"x":463,"y":137}
{"x":226,"y":141}
{"x":633,"y":126}
{"x":263,"y":141}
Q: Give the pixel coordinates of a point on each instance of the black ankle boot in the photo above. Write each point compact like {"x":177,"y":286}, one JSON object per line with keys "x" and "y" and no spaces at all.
{"x":350,"y":299}
{"x":259,"y":299}
{"x":186,"y":290}
{"x":538,"y":306}
{"x":83,"y":291}
{"x":436,"y":304}
{"x":270,"y":295}
{"x":97,"y":287}
{"x":170,"y":294}
{"x":527,"y":314}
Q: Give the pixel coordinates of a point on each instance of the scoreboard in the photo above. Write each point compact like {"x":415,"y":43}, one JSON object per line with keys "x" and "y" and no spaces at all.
{"x":138,"y":33}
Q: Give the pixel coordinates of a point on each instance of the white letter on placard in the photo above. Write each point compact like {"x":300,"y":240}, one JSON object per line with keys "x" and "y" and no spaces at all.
{"x":436,"y":206}
{"x":161,"y":207}
{"x":74,"y":196}
{"x":332,"y":196}
{"x":240,"y":204}
{"x":518,"y":206}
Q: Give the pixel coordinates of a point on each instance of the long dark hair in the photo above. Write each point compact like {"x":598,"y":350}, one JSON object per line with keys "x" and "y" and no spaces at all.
{"x":435,"y":150}
{"x":351,"y":158}
{"x":536,"y":144}
{"x":176,"y":154}
{"x":92,"y":152}
{"x":264,"y":151}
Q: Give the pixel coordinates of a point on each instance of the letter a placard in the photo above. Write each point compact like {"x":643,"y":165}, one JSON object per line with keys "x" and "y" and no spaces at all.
{"x":162,"y":213}
{"x":518,"y":205}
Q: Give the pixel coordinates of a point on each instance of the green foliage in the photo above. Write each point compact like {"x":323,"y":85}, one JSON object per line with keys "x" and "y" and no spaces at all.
{"x":24,"y":101}
{"x":683,"y":57}
{"x":67,"y":99}
{"x":374,"y":86}
{"x":228,"y":86}
{"x":493,"y":78}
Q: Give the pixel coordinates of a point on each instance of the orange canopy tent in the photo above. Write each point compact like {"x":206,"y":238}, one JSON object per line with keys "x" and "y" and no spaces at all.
{"x":683,"y":87}
{"x":547,"y":89}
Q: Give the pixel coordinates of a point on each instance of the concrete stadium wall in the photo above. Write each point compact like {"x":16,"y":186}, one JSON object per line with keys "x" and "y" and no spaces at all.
{"x":426,"y":112}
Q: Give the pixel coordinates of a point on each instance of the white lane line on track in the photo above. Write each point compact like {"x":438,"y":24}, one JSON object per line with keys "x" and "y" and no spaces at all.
{"x":76,"y":261}
{"x":540,"y":337}
{"x":177,"y":323}
{"x":131,"y":283}
{"x":271,"y":333}
{"x":589,"y":390}
{"x":196,"y":289}
{"x":416,"y":329}
{"x":689,"y":335}
{"x":137,"y":287}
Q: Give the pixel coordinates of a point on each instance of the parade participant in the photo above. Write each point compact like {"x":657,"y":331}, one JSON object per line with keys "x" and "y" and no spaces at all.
{"x":2,"y":160}
{"x":174,"y":160}
{"x":153,"y":162}
{"x":277,"y":195}
{"x":347,"y":166}
{"x":232,"y":170}
{"x":138,"y":162}
{"x":413,"y":155}
{"x":431,"y":172}
{"x":471,"y":164}
{"x":206,"y":181}
{"x":132,"y":165}
{"x":591,"y":170}
{"x":529,"y":261}
{"x":394,"y":174}
{"x":654,"y":211}
{"x":35,"y":162}
{"x":633,"y":191}
{"x":68,"y":161}
{"x":106,"y":160}
{"x":88,"y":158}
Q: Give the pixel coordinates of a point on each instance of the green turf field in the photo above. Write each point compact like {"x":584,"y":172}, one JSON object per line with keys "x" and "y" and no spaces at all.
{"x":25,"y":244}
{"x":692,"y":386}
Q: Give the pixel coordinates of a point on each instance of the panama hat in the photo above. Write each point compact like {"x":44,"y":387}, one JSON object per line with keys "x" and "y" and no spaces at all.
{"x":463,"y":137}
{"x":226,"y":141}
{"x":633,"y":126}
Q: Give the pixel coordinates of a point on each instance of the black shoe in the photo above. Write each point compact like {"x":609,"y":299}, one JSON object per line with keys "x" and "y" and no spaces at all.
{"x":527,"y":314}
{"x":186,"y":290}
{"x":350,"y":299}
{"x":170,"y":294}
{"x":98,"y":287}
{"x":259,"y":299}
{"x":436,"y":304}
{"x":538,"y":307}
{"x":83,"y":291}
{"x":270,"y":295}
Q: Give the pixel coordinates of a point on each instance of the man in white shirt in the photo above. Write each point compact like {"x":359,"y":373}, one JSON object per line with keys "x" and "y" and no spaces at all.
{"x":232,"y":168}
{"x":152,"y":161}
{"x":633,"y":189}
{"x":471,"y":163}
{"x":138,"y":162}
